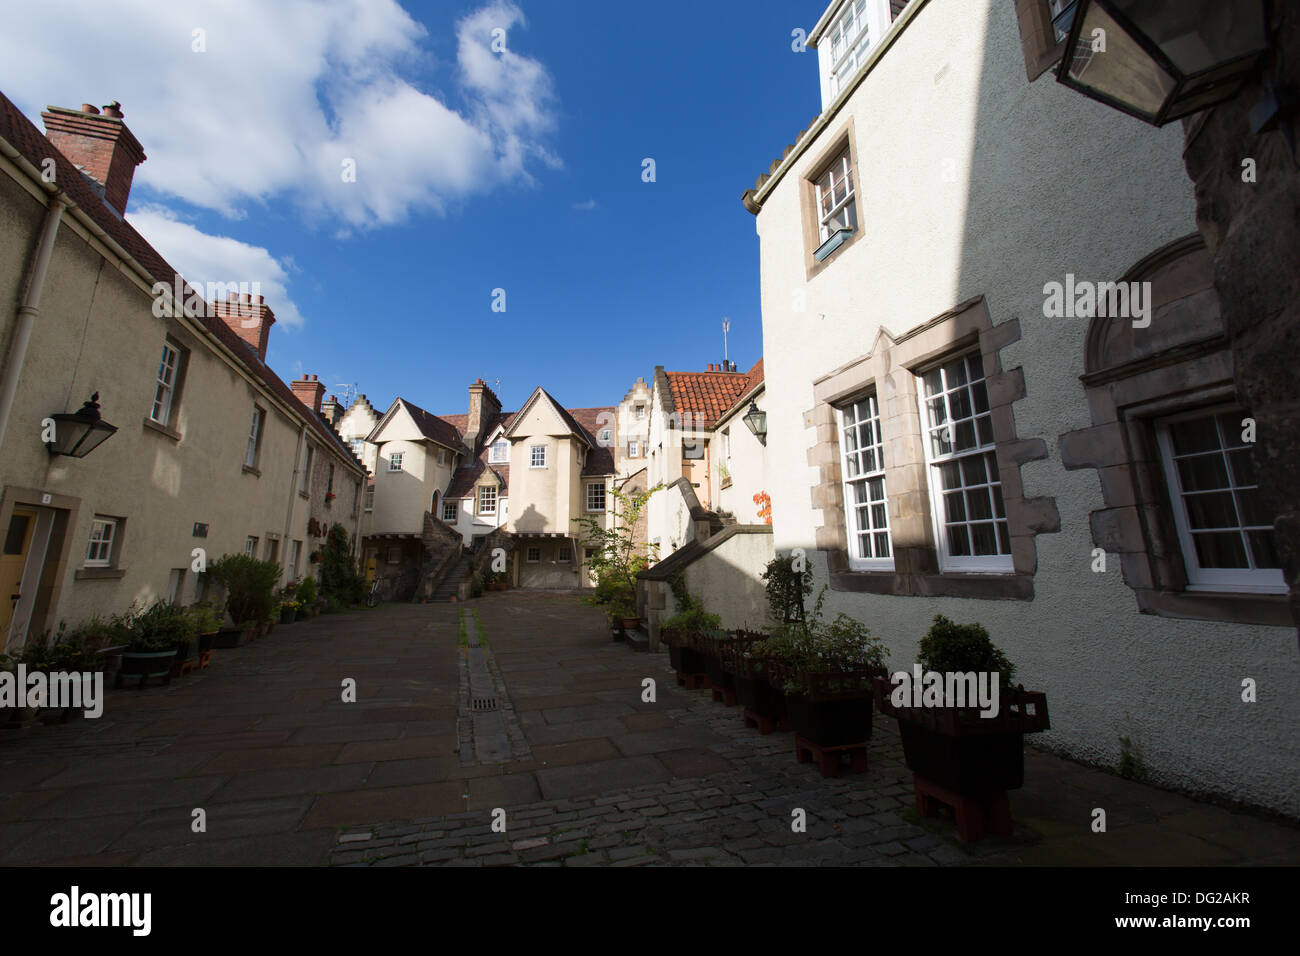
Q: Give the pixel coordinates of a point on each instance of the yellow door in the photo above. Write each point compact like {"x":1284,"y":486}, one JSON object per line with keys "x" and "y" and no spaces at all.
{"x":17,"y":540}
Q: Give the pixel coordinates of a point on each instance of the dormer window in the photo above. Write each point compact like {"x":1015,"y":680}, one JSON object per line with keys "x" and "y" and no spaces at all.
{"x":847,"y":43}
{"x":500,"y":452}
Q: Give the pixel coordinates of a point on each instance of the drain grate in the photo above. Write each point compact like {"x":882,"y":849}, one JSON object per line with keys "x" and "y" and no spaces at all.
{"x":483,"y":705}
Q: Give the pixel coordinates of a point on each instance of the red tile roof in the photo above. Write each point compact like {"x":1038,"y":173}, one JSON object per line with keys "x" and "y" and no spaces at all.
{"x":708,"y":396}
{"x":23,"y":135}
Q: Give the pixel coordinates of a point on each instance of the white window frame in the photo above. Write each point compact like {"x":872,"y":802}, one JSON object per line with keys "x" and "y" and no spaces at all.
{"x":254,"y":437}
{"x":533,"y":456}
{"x":480,"y":492}
{"x":593,"y":485}
{"x":165,"y":390}
{"x":972,"y":563}
{"x":632,"y":449}
{"x":499,"y":452}
{"x":843,"y":164}
{"x":395,"y":461}
{"x":295,"y":555}
{"x":250,"y":546}
{"x":370,"y":498}
{"x":564,"y":553}
{"x":847,"y":418}
{"x":442,"y":456}
{"x":640,"y":411}
{"x":103,"y":532}
{"x":454,"y":507}
{"x":605,"y":438}
{"x":1250,"y":580}
{"x":854,"y":46}
{"x":530,"y":551}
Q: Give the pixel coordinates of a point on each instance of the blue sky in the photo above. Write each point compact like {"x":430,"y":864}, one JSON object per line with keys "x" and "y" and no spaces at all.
{"x":475,"y":170}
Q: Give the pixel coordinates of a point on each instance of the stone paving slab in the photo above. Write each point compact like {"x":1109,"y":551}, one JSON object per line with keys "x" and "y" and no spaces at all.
{"x":595,"y":776}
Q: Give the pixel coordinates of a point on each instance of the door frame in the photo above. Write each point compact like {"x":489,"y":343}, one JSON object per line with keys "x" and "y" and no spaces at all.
{"x":58,"y":513}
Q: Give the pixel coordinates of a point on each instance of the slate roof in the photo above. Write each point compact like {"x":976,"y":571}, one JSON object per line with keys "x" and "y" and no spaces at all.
{"x":22,"y":134}
{"x":708,"y":396}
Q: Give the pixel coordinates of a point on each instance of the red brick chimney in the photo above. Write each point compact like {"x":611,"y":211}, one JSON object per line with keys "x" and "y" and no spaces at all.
{"x":250,"y":318}
{"x":332,"y":409}
{"x":100,"y":144}
{"x":309,"y":391}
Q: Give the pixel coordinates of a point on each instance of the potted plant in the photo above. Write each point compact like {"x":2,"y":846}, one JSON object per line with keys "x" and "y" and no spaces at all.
{"x":957,"y":746}
{"x":250,"y":585}
{"x":207,"y":623}
{"x":618,"y":556}
{"x":828,"y":673}
{"x":307,"y":597}
{"x":66,"y":653}
{"x":687,"y":634}
{"x":758,"y":672}
{"x":156,"y":639}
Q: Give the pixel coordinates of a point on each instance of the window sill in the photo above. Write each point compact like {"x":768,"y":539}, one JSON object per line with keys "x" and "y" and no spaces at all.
{"x":99,"y":574}
{"x":725,"y":483}
{"x":163,"y":430}
{"x":992,"y":587}
{"x":303,"y":495}
{"x":250,"y":470}
{"x":1238,"y":607}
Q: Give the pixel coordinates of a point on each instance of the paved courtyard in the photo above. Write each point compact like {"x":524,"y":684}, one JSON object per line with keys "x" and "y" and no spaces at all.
{"x":518,"y":703}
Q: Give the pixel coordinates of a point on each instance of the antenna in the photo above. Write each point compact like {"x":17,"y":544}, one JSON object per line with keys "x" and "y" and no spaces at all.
{"x":348,"y":391}
{"x":726,"y":327}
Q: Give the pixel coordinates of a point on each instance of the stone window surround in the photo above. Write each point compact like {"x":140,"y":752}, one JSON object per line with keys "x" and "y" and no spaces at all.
{"x":1126,"y":401}
{"x":837,"y":143}
{"x":890,"y":370}
{"x":170,"y":427}
{"x":1037,"y":38}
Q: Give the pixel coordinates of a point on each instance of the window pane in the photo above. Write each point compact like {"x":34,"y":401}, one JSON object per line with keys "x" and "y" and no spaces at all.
{"x":1243,"y":466}
{"x":958,"y":545}
{"x":985,"y":538}
{"x":1194,"y":436}
{"x":1202,"y":472}
{"x":965,"y":436}
{"x":1212,"y":510}
{"x":978,"y":504}
{"x":972,"y":469}
{"x":1263,"y":550}
{"x":1220,"y":550}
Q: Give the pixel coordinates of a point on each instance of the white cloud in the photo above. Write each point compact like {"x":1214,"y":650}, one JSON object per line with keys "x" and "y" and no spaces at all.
{"x":202,"y":258}
{"x":586,"y":205}
{"x":285,"y":92}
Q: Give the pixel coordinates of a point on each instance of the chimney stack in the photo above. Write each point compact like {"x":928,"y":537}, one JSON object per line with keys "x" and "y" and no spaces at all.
{"x":332,"y":409}
{"x":249,"y":318}
{"x":483,"y":407}
{"x":100,"y":144}
{"x":309,"y":391}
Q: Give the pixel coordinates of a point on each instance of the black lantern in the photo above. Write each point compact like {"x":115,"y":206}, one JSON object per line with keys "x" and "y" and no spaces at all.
{"x":1160,"y":60}
{"x":77,"y":435}
{"x":757,"y":422}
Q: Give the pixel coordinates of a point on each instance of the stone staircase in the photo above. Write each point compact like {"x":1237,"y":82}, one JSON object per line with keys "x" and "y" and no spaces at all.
{"x":449,"y":586}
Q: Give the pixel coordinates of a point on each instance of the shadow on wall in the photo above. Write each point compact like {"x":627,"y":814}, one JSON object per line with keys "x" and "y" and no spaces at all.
{"x":532,"y":521}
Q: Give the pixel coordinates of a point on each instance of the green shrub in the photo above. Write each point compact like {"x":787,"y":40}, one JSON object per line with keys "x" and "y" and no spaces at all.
{"x":67,"y":651}
{"x":161,"y":626}
{"x":692,"y":618}
{"x":789,"y":582}
{"x":250,"y":586}
{"x":951,"y":648}
{"x":339,"y":577}
{"x":205,"y":617}
{"x":307,"y":591}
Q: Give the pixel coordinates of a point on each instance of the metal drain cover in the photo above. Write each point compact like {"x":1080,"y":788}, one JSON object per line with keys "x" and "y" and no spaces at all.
{"x":482,"y":705}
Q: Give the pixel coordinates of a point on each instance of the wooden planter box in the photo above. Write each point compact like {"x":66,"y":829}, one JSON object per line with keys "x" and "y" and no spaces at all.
{"x":227,"y":637}
{"x":831,"y":723}
{"x":686,"y":660}
{"x":955,"y":747}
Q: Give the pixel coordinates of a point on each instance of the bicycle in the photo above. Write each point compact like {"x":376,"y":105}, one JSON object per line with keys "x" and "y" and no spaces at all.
{"x":372,"y":596}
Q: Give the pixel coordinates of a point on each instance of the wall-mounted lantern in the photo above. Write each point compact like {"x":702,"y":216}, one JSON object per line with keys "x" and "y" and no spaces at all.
{"x":1160,"y":60}
{"x":756,"y":422}
{"x":78,"y":434}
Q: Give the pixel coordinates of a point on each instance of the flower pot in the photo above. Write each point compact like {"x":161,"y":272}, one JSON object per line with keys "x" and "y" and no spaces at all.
{"x":288,"y":615}
{"x":831,"y":723}
{"x":631,"y":623}
{"x":146,"y":664}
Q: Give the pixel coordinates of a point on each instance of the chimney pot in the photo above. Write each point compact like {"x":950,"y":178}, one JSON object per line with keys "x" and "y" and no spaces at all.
{"x":113,"y":109}
{"x":250,"y":322}
{"x":87,"y":108}
{"x":309,"y":391}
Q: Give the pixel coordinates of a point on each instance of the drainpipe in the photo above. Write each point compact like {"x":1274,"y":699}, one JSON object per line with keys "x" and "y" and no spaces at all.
{"x":293,"y":497}
{"x":29,"y":308}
